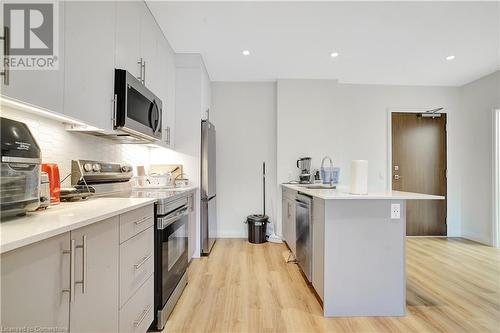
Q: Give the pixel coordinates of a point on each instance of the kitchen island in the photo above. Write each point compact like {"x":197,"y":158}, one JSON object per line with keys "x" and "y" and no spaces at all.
{"x":356,"y":248}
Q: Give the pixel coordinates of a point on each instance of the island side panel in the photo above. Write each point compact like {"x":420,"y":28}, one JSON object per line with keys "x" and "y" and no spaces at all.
{"x":318,"y":246}
{"x":364,"y":259}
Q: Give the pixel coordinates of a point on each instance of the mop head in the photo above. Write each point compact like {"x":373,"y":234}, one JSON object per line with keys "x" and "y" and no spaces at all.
{"x":273,"y":238}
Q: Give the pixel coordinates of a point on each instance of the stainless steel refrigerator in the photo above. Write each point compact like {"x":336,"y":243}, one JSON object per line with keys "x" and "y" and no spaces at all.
{"x":208,"y":192}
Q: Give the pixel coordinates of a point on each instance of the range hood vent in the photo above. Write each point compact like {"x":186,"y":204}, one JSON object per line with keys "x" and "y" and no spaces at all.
{"x":117,"y":136}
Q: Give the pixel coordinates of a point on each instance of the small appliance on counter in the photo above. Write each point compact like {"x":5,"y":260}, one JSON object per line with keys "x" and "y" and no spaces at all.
{"x":52,"y":171}
{"x":304,"y":164}
{"x":19,"y":169}
{"x":44,"y":190}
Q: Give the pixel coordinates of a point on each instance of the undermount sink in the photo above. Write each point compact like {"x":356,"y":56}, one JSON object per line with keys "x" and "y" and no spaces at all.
{"x":320,"y":187}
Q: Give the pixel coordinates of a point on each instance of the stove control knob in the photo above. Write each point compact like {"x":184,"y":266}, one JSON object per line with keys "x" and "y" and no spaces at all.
{"x":96,"y":167}
{"x":87,"y":167}
{"x":126,"y":168}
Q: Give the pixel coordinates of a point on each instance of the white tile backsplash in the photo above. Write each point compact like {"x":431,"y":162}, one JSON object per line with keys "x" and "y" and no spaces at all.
{"x":60,"y":146}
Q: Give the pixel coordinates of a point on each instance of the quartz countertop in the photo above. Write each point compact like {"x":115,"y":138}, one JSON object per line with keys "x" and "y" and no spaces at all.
{"x":67,"y":216}
{"x":343,"y":194}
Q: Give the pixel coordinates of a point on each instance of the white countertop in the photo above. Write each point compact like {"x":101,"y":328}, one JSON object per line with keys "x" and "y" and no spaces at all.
{"x":341,"y":194}
{"x":62,"y":218}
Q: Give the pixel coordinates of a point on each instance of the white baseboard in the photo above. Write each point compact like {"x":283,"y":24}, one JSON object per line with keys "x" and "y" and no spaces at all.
{"x":431,"y":236}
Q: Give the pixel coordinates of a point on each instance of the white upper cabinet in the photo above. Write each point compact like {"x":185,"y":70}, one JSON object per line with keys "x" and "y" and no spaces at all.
{"x":143,"y":50}
{"x":166,"y":87}
{"x":90,"y":61}
{"x":42,"y":88}
{"x":121,"y":34}
{"x":148,"y":50}
{"x":128,"y":36}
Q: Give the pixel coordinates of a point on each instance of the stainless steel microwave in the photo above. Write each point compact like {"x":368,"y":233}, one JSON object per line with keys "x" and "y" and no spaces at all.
{"x":137,"y":110}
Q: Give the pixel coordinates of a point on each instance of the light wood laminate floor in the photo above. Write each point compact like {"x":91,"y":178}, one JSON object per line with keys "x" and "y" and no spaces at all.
{"x":453,"y":285}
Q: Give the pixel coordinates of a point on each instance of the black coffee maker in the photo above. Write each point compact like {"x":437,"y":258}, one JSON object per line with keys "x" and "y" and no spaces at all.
{"x":19,"y":169}
{"x":304,"y":164}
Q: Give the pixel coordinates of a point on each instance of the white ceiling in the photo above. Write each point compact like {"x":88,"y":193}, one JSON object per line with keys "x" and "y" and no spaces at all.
{"x":378,"y":42}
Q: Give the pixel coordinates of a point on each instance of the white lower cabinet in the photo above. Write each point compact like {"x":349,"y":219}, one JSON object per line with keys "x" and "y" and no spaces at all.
{"x":136,"y":263}
{"x":33,"y":280}
{"x":41,"y":288}
{"x":137,"y":314}
{"x":95,"y":306}
{"x":288,"y":220}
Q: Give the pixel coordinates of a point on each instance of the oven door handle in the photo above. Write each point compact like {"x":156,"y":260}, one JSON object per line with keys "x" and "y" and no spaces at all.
{"x":164,"y":222}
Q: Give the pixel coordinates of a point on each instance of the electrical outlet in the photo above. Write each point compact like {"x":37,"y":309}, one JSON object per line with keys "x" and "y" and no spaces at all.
{"x":395,"y":211}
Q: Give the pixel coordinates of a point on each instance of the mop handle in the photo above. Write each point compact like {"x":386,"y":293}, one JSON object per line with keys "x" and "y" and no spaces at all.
{"x":264,"y":186}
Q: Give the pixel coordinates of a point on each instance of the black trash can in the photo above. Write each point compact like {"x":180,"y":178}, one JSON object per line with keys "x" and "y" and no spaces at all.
{"x":257,"y":225}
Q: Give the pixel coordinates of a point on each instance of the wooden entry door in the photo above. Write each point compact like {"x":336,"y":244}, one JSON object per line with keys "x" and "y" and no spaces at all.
{"x":419,"y":165}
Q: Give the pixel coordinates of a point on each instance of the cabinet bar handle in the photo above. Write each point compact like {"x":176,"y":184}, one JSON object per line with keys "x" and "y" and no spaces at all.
{"x":115,"y":101}
{"x":141,"y":221}
{"x":71,"y":253}
{"x":139,"y":62}
{"x":83,"y":281}
{"x":142,"y":316}
{"x":142,"y":262}
{"x":6,"y":53}
{"x":144,"y":72}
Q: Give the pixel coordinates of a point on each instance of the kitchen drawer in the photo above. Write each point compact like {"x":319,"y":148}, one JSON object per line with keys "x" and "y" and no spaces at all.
{"x":136,"y":263}
{"x":134,"y":222}
{"x":137,"y":314}
{"x":289,"y":193}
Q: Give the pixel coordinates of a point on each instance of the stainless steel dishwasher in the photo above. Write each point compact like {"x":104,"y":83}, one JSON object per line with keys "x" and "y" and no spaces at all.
{"x":303,"y":205}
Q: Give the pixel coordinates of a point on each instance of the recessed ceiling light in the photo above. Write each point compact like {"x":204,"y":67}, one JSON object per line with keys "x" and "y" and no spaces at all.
{"x":451,"y":57}
{"x":334,"y":54}
{"x":245,"y":52}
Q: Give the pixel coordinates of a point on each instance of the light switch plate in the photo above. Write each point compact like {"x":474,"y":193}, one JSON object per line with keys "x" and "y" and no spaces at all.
{"x":395,"y":211}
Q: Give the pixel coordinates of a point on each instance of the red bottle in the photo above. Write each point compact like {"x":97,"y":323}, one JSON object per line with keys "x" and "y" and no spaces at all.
{"x":52,"y":170}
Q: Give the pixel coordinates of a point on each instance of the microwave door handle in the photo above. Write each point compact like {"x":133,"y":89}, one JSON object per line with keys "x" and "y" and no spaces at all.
{"x":158,"y":125}
{"x":151,"y":120}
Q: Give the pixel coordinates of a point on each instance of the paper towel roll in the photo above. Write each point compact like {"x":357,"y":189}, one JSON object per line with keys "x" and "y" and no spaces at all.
{"x":359,"y":177}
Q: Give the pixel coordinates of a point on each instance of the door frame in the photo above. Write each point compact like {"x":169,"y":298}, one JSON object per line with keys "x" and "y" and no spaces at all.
{"x":496,"y":178}
{"x":392,"y":110}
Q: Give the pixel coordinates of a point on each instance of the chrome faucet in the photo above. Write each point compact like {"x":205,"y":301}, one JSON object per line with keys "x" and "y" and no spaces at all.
{"x":331,"y":168}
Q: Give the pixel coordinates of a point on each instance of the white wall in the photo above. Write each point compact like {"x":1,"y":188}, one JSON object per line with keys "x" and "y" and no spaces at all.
{"x":59,"y":146}
{"x":322,"y":117}
{"x":245,"y":119}
{"x":478,"y":100}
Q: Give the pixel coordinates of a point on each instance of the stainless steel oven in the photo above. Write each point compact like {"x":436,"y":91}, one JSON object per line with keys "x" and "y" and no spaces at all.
{"x":137,"y":110}
{"x":171,"y":256}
